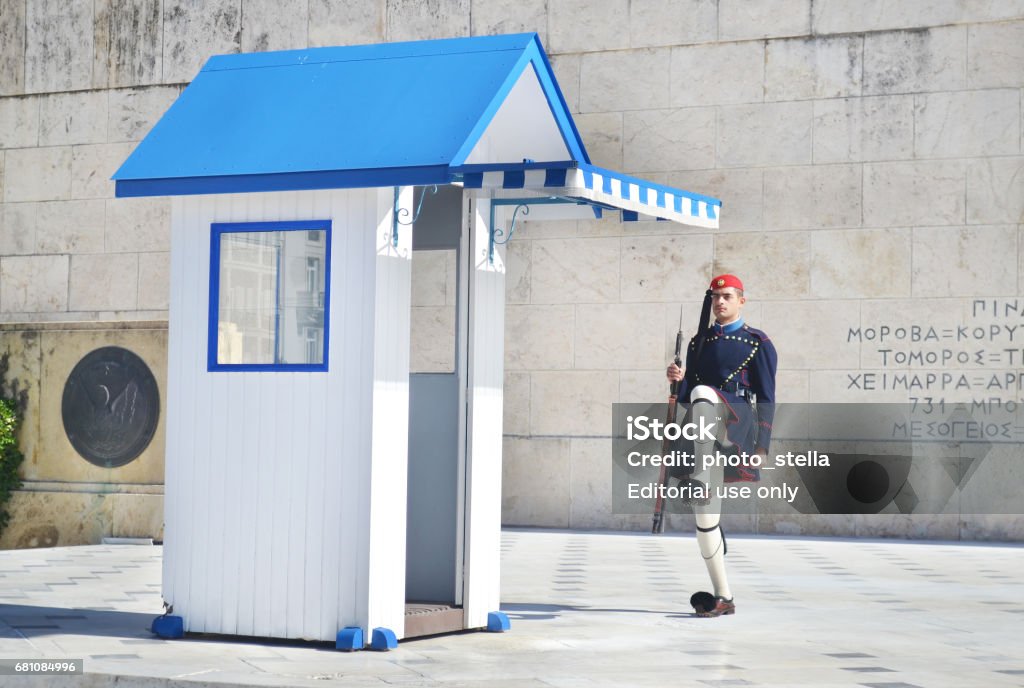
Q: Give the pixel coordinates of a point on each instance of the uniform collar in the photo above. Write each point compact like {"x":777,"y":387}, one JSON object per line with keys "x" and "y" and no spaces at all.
{"x":728,"y":329}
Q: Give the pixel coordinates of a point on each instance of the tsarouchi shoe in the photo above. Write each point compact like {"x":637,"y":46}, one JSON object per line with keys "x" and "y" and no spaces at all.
{"x":708,"y":606}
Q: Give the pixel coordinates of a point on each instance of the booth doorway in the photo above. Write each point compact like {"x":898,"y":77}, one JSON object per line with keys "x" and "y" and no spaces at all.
{"x":437,"y":381}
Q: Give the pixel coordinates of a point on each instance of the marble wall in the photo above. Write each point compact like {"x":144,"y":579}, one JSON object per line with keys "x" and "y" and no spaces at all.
{"x":433,"y":333}
{"x":868,"y":155}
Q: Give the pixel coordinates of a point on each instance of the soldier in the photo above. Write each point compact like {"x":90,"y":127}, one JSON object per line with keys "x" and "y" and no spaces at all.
{"x":729,"y":374}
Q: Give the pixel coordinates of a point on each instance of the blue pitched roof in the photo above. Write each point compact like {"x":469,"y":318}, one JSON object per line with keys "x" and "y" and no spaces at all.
{"x":371,"y":115}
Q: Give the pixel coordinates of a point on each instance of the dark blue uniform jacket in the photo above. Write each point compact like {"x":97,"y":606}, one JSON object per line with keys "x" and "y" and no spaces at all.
{"x":737,"y":360}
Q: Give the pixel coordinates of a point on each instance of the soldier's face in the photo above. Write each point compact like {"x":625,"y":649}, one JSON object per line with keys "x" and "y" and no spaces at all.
{"x":727,"y":304}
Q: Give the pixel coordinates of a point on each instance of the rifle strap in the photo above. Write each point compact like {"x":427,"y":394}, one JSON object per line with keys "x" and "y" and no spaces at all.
{"x":702,"y":325}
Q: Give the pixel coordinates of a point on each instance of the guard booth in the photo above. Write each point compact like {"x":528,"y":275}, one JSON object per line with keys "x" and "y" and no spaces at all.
{"x":334,"y":405}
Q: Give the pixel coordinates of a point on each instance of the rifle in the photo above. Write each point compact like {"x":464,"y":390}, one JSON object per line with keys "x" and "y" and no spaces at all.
{"x":658,"y":522}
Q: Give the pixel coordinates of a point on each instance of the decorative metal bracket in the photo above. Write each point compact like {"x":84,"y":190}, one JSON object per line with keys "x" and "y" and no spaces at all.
{"x":522,"y":204}
{"x":404,"y":212}
{"x":498,"y":232}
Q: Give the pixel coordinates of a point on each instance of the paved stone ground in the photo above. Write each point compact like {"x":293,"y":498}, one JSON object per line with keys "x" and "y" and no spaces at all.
{"x":587,"y":609}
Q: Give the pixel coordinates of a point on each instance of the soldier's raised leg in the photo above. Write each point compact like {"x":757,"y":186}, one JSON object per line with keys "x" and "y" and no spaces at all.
{"x":708,"y":515}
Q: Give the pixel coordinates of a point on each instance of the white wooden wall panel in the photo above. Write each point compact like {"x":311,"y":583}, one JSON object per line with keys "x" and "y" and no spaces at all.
{"x":336,"y":536}
{"x":390,"y":419}
{"x":463,"y":272}
{"x":356,"y":393}
{"x":234,"y":470}
{"x":364,"y":410}
{"x":248,"y":480}
{"x":483,"y":470}
{"x":275,"y":525}
{"x":312,"y":579}
{"x":277,"y":437}
{"x":177,"y":387}
{"x":263,"y":501}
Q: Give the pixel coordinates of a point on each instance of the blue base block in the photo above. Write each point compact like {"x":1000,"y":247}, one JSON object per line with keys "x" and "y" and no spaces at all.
{"x":497,"y":622}
{"x":383,"y":639}
{"x":170,"y":627}
{"x":349,"y":638}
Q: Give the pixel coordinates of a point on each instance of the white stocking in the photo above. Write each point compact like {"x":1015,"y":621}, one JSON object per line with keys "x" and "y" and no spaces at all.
{"x":709,"y":533}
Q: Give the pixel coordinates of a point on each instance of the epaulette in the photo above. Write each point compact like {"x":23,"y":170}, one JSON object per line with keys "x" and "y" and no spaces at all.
{"x":756,"y":333}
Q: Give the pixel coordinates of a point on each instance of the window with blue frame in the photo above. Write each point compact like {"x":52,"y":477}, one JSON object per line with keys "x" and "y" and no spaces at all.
{"x":269,"y":295}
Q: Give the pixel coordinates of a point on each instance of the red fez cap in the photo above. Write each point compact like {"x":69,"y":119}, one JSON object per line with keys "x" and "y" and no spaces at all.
{"x":723,"y":281}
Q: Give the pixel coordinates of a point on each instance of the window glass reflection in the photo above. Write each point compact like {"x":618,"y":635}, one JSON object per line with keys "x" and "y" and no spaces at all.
{"x":272,"y":287}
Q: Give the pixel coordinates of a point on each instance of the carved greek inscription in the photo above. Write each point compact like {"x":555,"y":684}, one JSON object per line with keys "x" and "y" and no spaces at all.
{"x":979,"y":360}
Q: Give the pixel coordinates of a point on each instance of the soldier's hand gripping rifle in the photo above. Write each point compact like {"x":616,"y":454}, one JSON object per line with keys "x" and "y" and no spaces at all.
{"x":658,"y":522}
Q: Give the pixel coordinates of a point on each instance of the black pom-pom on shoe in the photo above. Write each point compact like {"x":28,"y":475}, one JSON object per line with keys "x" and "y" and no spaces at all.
{"x":708,"y":606}
{"x":702,"y":602}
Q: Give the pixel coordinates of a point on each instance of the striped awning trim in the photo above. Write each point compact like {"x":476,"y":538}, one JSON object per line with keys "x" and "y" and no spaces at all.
{"x":605,"y":188}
